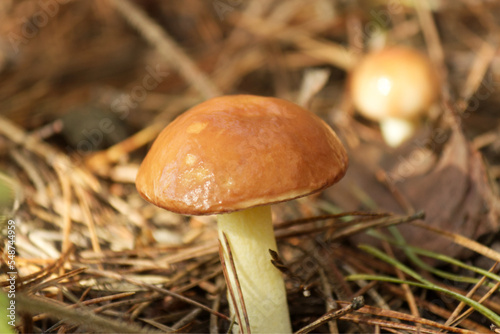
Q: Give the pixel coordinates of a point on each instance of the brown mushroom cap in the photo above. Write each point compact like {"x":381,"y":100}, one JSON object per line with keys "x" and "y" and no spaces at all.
{"x":397,"y":82}
{"x":234,"y":152}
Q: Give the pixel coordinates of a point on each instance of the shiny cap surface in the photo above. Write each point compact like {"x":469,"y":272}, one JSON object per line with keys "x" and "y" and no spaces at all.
{"x":234,"y":152}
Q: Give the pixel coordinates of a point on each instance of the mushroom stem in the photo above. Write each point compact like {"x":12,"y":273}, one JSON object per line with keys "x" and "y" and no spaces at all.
{"x":250,"y":235}
{"x":395,"y":130}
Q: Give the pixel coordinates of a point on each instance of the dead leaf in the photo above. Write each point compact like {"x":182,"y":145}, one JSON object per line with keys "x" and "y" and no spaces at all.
{"x":444,"y":176}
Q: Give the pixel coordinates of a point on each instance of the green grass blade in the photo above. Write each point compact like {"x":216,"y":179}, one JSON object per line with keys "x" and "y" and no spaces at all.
{"x":494,"y":318}
{"x":412,"y":253}
{"x":422,"y":283}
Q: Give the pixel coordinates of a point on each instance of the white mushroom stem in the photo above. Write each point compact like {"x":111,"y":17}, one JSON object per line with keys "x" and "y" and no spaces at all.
{"x":395,"y":130}
{"x":250,"y":235}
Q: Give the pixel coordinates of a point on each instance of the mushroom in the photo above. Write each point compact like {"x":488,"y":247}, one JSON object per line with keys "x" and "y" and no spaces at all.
{"x":234,"y":156}
{"x":394,"y":87}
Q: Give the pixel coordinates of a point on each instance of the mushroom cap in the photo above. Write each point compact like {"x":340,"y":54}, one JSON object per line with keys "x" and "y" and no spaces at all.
{"x":235,"y":152}
{"x":397,"y":82}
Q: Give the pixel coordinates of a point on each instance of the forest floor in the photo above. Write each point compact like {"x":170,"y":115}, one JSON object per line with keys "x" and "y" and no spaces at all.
{"x":406,"y":242}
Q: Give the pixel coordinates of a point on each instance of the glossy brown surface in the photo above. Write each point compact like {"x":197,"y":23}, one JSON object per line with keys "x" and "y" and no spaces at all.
{"x":234,"y":152}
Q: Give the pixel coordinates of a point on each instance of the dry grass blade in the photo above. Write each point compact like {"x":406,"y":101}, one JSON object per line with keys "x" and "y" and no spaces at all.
{"x":110,"y":274}
{"x":377,"y":314}
{"x":410,"y":297}
{"x":32,"y":288}
{"x":88,"y":217}
{"x":478,"y":70}
{"x":163,"y":328}
{"x":393,"y":326}
{"x":66,"y":215}
{"x":463,"y":241}
{"x":456,"y":319}
{"x":49,"y":153}
{"x":96,"y":310}
{"x":34,"y":175}
{"x":314,"y":80}
{"x":437,"y":310}
{"x":214,"y":326}
{"x":233,"y":277}
{"x":39,"y":276}
{"x":328,"y":51}
{"x":356,"y":304}
{"x":167,"y":47}
{"x":100,"y":161}
{"x":127,"y":302}
{"x":329,"y":301}
{"x":191,"y":316}
{"x":367,"y":215}
{"x":431,"y":35}
{"x":340,"y":230}
{"x":230,"y":290}
{"x":81,"y":317}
